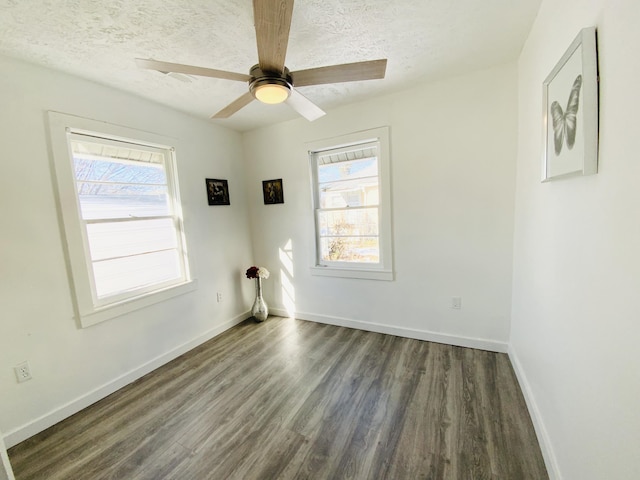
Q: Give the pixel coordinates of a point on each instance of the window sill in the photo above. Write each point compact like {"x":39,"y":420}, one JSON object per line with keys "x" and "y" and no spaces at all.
{"x":100,"y":314}
{"x":386,"y":275}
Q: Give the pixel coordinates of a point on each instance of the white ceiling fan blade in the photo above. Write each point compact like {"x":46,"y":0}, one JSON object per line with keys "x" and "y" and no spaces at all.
{"x":304,"y":106}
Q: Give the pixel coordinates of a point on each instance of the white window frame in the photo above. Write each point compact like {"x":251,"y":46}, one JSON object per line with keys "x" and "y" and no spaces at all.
{"x":364,"y":270}
{"x":91,"y":310}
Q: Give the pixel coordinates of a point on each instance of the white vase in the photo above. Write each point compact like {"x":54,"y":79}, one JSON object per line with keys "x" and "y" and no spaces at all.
{"x":259,"y":311}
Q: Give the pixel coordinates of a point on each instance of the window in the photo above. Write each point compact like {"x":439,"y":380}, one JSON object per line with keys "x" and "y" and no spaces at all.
{"x":122,"y":217}
{"x":352,"y":206}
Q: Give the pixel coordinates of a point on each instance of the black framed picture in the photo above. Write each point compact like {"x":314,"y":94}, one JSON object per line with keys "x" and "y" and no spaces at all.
{"x":272,"y":191}
{"x":217,"y":191}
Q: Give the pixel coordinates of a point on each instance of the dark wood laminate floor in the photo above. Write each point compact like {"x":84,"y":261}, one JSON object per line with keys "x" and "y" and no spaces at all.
{"x":289,"y":399}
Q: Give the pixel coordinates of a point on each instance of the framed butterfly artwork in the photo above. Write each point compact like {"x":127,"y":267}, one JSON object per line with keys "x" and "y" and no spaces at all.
{"x":570,"y":97}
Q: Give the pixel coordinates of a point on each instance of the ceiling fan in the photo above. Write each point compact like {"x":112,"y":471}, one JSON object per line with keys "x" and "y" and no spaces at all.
{"x":270,"y":81}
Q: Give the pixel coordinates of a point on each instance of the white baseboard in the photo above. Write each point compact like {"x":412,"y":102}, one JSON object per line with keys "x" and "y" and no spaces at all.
{"x":541,"y":431}
{"x":470,"y":342}
{"x":45,"y":421}
{"x":5,"y":472}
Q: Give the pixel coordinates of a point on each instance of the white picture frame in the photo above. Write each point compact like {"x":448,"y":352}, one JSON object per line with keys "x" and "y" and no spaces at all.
{"x":570,"y":115}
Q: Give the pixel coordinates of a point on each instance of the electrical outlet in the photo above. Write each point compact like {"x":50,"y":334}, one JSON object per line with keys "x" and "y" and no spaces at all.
{"x":23,"y":372}
{"x":456,"y":303}
{"x":219,"y":297}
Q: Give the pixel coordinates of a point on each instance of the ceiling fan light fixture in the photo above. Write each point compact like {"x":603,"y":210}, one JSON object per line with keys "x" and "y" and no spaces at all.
{"x":271,"y":91}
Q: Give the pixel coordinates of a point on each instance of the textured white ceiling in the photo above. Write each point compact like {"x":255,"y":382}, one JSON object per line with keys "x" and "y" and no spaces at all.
{"x":423,"y":40}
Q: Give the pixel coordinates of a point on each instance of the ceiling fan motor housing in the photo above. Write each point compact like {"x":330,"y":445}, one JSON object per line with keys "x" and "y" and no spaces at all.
{"x":278,"y":81}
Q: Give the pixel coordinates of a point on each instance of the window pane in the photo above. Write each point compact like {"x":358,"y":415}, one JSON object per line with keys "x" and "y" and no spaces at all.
{"x":350,"y":249}
{"x":351,"y":203}
{"x":353,"y":169}
{"x":118,"y":171}
{"x":122,"y":201}
{"x":131,"y":273}
{"x":114,"y":188}
{"x":353,"y":221}
{"x":352,"y":193}
{"x":119,"y":239}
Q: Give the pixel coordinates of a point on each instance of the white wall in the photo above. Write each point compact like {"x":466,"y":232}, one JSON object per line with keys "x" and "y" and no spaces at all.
{"x":72,"y":367}
{"x":453,"y":147}
{"x":576,"y":302}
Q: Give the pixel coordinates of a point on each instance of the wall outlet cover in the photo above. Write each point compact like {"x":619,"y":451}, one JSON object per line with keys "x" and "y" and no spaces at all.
{"x":23,"y":372}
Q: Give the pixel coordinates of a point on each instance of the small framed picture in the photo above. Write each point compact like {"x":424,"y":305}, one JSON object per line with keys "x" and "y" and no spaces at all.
{"x":570,"y":117}
{"x":217,"y":191}
{"x":272,"y":191}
